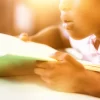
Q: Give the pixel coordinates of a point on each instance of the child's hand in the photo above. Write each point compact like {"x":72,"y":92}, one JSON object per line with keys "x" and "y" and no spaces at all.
{"x":24,"y":36}
{"x":63,"y":75}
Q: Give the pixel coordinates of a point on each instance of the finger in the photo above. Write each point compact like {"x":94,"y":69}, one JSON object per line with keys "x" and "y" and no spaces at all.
{"x":46,"y":79}
{"x":61,"y":56}
{"x":39,"y":71}
{"x":24,"y":36}
{"x":45,"y":65}
{"x":43,"y":72}
{"x":72,"y":60}
{"x":58,"y":56}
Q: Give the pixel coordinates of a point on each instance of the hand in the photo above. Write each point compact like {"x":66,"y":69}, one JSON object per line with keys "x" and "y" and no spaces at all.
{"x":62,"y":75}
{"x":24,"y":36}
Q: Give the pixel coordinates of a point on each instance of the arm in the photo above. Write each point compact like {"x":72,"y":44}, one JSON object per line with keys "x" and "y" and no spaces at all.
{"x":89,"y":83}
{"x":52,"y":36}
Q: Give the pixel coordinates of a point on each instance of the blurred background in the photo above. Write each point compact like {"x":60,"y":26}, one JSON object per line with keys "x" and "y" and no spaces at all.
{"x":29,"y":16}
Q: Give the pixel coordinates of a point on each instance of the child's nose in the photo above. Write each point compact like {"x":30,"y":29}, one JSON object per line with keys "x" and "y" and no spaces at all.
{"x":65,"y":5}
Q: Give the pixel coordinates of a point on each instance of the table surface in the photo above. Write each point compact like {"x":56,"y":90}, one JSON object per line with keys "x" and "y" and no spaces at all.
{"x":26,"y":89}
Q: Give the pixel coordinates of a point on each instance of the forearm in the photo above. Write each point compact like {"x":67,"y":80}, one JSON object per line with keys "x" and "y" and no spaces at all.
{"x":51,"y":36}
{"x":89,"y":84}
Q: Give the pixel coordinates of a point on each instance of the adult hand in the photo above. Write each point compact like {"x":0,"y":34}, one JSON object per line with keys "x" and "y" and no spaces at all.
{"x":62,"y":75}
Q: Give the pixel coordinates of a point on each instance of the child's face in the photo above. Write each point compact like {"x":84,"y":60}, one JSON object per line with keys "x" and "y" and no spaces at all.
{"x":80,"y":17}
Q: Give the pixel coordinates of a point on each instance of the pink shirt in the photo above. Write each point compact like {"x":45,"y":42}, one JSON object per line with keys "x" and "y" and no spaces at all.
{"x":87,"y":49}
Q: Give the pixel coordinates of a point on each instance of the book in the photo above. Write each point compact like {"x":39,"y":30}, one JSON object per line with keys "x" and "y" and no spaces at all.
{"x":15,"y":51}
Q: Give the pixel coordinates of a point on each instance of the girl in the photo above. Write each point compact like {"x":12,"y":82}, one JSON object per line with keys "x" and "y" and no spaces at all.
{"x":81,"y":19}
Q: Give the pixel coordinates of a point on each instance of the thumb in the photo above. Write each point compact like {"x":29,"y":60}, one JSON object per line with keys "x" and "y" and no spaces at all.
{"x":60,"y":56}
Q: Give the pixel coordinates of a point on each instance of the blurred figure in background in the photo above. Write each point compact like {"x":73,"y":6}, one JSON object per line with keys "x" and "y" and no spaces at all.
{"x":27,"y":15}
